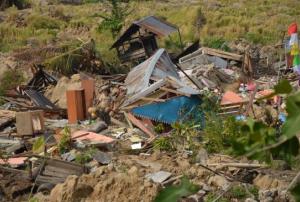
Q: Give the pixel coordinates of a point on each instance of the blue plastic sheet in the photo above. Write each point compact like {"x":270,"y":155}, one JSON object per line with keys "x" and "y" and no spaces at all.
{"x":171,"y":111}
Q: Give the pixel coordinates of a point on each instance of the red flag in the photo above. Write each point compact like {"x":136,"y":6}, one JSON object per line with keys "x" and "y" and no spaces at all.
{"x":292,"y":28}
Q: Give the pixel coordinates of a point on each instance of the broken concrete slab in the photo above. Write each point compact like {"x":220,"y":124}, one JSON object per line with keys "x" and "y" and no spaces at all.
{"x":102,"y":157}
{"x":159,"y":177}
{"x":98,"y":127}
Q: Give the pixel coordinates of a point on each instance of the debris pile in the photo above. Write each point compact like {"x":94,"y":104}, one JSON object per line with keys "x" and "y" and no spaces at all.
{"x":89,"y":136}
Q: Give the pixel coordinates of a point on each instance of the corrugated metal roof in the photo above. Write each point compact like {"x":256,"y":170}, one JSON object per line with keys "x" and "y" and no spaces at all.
{"x":152,"y":24}
{"x":159,"y":66}
{"x":156,"y":25}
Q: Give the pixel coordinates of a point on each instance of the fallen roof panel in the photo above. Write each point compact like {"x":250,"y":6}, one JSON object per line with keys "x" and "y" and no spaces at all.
{"x":156,"y":26}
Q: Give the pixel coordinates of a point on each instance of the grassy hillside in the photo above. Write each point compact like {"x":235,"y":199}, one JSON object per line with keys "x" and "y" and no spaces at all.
{"x":259,"y":21}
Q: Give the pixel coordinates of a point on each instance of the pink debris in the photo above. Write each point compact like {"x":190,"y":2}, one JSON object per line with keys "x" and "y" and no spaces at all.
{"x":14,"y":161}
{"x":93,"y":137}
{"x":251,"y":86}
{"x":231,"y":98}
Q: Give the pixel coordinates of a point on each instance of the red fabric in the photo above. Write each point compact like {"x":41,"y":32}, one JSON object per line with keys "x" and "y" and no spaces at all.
{"x":292,"y":29}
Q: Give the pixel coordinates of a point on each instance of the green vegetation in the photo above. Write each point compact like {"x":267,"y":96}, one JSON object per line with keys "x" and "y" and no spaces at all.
{"x":174,"y":193}
{"x":114,"y":22}
{"x":215,"y":23}
{"x":238,"y":192}
{"x":39,"y":145}
{"x":212,"y":196}
{"x":11,"y":79}
{"x":163,"y":144}
{"x":64,"y":144}
{"x":43,"y":22}
{"x":85,"y":156}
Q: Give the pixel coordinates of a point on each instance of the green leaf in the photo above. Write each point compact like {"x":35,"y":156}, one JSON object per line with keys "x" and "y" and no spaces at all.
{"x":283,"y":87}
{"x":288,"y":148}
{"x":293,"y":104}
{"x":39,"y":145}
{"x":291,"y":127}
{"x":174,"y":193}
{"x":296,"y":192}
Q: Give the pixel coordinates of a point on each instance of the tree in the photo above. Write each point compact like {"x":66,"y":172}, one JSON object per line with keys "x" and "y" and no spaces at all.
{"x":114,"y":22}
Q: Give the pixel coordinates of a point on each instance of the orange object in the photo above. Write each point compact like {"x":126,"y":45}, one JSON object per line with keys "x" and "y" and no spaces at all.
{"x":75,"y":105}
{"x":140,"y":125}
{"x":89,"y":90}
{"x":230,"y":97}
{"x":265,"y":93}
{"x":92,"y":137}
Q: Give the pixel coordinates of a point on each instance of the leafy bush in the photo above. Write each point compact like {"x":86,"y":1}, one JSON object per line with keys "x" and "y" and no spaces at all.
{"x":219,"y":133}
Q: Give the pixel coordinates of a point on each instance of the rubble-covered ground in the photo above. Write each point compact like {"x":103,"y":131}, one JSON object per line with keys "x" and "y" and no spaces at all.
{"x":77,"y":124}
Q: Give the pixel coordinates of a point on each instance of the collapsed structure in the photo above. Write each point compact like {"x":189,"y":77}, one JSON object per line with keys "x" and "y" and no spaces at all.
{"x":48,"y":124}
{"x":139,"y":41}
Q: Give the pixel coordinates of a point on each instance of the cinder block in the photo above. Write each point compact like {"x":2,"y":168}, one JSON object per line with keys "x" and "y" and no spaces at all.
{"x":75,"y":105}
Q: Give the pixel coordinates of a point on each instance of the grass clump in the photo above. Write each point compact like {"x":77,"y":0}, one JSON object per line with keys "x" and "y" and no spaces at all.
{"x":64,"y":144}
{"x":85,"y":156}
{"x":11,"y":79}
{"x":43,"y":22}
{"x":216,"y":42}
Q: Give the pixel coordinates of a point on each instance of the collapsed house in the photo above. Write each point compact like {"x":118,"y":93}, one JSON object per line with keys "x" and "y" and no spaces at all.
{"x":139,"y":42}
{"x":156,"y":92}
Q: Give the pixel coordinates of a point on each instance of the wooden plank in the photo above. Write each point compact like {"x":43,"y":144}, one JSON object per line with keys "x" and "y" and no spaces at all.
{"x":152,"y":99}
{"x":174,"y":91}
{"x":62,"y":170}
{"x":141,"y":126}
{"x":157,"y":94}
{"x":144,"y":93}
{"x":47,"y":179}
{"x":56,"y":174}
{"x":64,"y":164}
{"x":222,"y":54}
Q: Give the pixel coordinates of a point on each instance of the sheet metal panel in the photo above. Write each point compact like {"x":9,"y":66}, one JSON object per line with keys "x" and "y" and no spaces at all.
{"x":159,"y":65}
{"x":156,"y":26}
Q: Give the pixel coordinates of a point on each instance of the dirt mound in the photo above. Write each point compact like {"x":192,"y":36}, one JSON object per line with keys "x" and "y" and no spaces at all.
{"x":58,"y":93}
{"x":104,"y":185}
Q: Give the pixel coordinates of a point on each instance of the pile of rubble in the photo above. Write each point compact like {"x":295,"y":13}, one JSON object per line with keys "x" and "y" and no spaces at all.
{"x":87,"y":126}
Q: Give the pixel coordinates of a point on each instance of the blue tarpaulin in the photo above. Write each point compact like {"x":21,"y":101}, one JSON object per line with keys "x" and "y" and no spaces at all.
{"x":172,"y":110}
